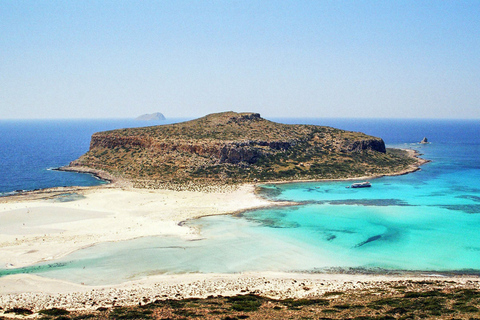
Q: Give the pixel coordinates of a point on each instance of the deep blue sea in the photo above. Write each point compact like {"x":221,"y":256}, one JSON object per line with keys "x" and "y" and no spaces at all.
{"x":29,"y":149}
{"x":424,"y":221}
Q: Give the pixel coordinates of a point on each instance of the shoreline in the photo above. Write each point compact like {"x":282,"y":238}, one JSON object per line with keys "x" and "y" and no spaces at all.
{"x":120,"y":212}
{"x":414,"y":168}
{"x":117,"y":181}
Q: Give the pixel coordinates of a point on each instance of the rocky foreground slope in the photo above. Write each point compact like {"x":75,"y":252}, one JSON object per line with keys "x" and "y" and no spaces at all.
{"x":234,"y":147}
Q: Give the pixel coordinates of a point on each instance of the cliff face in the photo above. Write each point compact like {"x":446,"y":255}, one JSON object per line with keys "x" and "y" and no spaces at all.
{"x":234,"y":147}
{"x":362,"y":145}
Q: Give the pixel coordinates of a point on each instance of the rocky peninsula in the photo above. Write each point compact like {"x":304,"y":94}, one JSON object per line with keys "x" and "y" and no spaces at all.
{"x":234,"y":148}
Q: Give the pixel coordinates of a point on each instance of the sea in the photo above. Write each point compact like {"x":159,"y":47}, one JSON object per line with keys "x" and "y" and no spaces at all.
{"x":427,"y":221}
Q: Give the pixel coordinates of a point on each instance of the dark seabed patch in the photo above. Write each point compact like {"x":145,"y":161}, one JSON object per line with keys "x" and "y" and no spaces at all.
{"x":435,"y":194}
{"x":273,"y":223}
{"x":257,"y":215}
{"x":341,"y":231}
{"x":269,"y":192}
{"x":469,"y":197}
{"x":371,"y":239}
{"x":370,"y":202}
{"x":331,"y":237}
{"x":466,"y":208}
{"x":465,"y":189}
{"x":390,"y":235}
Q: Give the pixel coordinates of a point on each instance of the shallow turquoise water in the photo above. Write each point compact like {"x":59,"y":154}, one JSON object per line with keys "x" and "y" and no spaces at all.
{"x":425,"y":221}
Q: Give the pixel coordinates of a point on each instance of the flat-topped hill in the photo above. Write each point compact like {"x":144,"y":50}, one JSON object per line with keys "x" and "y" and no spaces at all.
{"x":234,"y":147}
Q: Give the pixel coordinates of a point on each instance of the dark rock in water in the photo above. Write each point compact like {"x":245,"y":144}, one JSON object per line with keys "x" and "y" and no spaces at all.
{"x":424,"y":140}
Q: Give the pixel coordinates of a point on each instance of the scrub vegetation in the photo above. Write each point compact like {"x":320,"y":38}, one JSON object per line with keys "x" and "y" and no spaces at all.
{"x":395,"y":300}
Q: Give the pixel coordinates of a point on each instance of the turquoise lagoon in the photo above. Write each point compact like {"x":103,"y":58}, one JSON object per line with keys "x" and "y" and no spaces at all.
{"x":427,"y":221}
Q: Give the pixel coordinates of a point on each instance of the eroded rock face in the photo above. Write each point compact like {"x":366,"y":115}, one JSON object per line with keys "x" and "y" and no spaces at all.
{"x":363,"y":145}
{"x":228,"y":152}
{"x":236,"y":154}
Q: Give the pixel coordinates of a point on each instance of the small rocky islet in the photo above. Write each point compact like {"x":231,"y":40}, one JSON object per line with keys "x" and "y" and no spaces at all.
{"x":230,"y":148}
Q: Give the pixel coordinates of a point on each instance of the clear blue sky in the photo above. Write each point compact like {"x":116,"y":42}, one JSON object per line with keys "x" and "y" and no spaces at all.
{"x":96,"y":59}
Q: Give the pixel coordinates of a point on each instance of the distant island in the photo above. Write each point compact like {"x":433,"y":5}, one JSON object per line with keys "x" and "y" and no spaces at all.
{"x":231,"y":148}
{"x":157,"y":116}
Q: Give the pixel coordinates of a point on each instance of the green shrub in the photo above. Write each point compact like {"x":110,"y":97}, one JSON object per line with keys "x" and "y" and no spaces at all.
{"x":245,"y":303}
{"x":54,"y":312}
{"x":20,"y":311}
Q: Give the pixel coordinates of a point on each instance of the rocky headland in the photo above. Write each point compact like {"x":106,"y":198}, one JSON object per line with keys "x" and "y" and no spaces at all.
{"x":231,"y":148}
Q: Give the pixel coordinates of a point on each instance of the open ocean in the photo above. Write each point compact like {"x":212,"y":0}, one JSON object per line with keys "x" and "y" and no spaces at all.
{"x":29,"y":149}
{"x":425,"y":221}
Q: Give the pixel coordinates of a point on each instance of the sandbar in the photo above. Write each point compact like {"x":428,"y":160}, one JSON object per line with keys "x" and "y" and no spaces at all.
{"x":45,"y":229}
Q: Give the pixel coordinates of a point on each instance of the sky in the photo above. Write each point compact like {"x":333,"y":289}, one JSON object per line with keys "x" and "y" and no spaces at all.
{"x":320,"y":59}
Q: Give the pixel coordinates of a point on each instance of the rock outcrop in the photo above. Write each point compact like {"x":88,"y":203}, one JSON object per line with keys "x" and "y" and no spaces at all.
{"x":362,"y":145}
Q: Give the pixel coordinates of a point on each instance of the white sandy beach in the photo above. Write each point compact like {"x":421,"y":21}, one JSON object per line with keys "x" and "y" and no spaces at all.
{"x":43,"y":229}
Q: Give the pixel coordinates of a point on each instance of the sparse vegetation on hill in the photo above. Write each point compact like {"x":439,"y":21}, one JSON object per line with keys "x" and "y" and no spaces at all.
{"x":394,"y":300}
{"x":229,"y":147}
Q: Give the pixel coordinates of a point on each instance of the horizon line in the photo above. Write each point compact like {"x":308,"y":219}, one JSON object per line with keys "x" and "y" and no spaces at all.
{"x":265,"y":117}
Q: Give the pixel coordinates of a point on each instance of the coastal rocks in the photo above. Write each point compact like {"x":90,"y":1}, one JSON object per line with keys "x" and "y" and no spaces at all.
{"x":363,"y":145}
{"x":424,"y":140}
